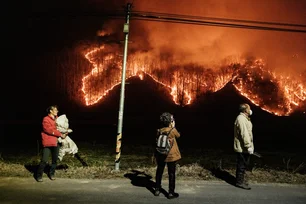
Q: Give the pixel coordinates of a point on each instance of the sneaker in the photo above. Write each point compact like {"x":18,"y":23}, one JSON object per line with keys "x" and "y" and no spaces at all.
{"x":173,"y":195}
{"x":243,"y":186}
{"x":39,"y":179}
{"x":52,"y":177}
{"x":157,"y":192}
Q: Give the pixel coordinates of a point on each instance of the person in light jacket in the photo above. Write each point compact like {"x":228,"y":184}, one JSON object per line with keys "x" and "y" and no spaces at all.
{"x":168,"y":125}
{"x":67,"y":145}
{"x":49,"y":135}
{"x":243,"y":144}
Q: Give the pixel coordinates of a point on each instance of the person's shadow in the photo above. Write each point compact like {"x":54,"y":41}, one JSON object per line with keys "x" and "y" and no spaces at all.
{"x":141,"y":179}
{"x":32,"y":168}
{"x":224,"y":175}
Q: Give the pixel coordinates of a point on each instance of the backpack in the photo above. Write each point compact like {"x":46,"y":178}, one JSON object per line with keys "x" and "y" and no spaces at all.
{"x":163,"y":144}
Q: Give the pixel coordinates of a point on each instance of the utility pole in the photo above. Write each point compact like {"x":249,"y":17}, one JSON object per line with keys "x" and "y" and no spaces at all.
{"x":121,"y":104}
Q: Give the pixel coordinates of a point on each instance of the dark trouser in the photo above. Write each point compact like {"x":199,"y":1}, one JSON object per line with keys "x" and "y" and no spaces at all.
{"x":160,"y":170}
{"x":46,"y":153}
{"x":243,"y":161}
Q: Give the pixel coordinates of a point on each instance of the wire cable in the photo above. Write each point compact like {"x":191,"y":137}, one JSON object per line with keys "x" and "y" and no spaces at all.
{"x":212,"y":23}
{"x":182,"y":19}
{"x":162,"y":15}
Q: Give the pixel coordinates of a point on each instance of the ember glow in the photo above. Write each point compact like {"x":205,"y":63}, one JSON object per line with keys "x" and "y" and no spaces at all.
{"x":266,"y":67}
{"x":272,"y":92}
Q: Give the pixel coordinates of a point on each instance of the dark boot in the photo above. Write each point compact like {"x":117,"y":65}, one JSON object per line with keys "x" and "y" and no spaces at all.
{"x":244,"y":186}
{"x":240,"y":182}
{"x":40,"y":171}
{"x":157,"y":191}
{"x":51,"y":174}
{"x":171,"y":174}
{"x":158,"y":178}
{"x":172,"y":195}
{"x":39,"y":179}
{"x":52,"y":177}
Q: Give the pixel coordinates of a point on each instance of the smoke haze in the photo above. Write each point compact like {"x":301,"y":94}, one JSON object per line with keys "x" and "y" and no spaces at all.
{"x":207,"y":44}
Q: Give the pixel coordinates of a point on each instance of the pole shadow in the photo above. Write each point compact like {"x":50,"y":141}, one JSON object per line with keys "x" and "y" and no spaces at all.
{"x":141,"y":179}
{"x":80,"y":158}
{"x":224,"y":175}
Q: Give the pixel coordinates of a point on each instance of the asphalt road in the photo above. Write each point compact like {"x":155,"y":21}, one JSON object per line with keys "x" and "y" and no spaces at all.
{"x":27,"y":190}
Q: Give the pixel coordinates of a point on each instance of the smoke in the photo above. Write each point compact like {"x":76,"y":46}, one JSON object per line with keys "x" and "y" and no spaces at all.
{"x":183,"y":56}
{"x":210,"y":45}
{"x":205,"y":45}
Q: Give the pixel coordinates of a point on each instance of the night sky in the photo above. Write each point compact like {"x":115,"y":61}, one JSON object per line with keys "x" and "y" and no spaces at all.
{"x":44,"y":36}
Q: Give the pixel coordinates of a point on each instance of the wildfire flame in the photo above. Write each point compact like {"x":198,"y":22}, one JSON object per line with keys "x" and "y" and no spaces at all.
{"x":272,"y":92}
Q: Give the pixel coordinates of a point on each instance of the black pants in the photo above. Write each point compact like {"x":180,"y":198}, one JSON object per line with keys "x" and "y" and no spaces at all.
{"x":45,"y":157}
{"x":243,"y":161}
{"x":160,"y":170}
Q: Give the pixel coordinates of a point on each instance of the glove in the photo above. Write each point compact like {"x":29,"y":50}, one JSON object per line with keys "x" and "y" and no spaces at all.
{"x":250,"y":150}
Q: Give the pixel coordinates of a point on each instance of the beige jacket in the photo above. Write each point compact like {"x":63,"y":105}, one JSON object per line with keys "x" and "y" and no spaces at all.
{"x":243,"y":136}
{"x":174,"y":153}
{"x":67,"y":145}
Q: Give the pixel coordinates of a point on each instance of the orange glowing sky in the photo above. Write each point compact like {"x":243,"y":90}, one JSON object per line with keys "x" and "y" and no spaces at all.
{"x":210,"y":45}
{"x":279,"y":57}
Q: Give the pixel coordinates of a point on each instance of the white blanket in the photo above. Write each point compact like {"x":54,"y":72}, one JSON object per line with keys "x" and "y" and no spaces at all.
{"x":67,"y":144}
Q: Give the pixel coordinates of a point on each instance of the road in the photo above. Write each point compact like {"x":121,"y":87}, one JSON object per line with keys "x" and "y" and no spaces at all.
{"x":27,"y":190}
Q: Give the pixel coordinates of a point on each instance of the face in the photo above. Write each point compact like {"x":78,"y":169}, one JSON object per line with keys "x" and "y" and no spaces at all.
{"x":248,"y":110}
{"x":54,"y":111}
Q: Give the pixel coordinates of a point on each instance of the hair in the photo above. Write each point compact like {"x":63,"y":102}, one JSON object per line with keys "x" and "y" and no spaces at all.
{"x":243,"y":107}
{"x":166,"y":119}
{"x":51,"y":108}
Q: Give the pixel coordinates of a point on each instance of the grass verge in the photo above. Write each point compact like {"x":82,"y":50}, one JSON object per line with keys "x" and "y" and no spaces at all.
{"x":196,"y":164}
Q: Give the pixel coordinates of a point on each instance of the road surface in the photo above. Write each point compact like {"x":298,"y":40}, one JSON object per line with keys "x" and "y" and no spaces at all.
{"x":132,"y":191}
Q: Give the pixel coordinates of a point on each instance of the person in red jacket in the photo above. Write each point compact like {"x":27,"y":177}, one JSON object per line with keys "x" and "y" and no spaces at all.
{"x":49,"y":135}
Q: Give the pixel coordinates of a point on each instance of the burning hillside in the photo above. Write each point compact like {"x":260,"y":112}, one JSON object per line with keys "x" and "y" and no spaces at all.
{"x":191,"y":59}
{"x":273,"y":92}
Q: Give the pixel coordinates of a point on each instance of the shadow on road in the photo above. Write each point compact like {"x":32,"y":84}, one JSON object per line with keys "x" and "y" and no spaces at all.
{"x":224,"y":175}
{"x":141,"y":179}
{"x":32,"y":168}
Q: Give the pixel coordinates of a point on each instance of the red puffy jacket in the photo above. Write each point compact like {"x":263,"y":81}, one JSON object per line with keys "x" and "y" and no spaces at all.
{"x":49,"y":132}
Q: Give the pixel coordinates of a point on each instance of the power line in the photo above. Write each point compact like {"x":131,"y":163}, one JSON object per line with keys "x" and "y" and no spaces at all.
{"x":162,"y":15}
{"x":220,"y":24}
{"x":79,"y":14}
{"x":200,"y":21}
{"x":184,"y":19}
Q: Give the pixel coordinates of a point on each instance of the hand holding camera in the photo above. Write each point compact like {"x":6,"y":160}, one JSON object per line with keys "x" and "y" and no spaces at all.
{"x":172,"y":124}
